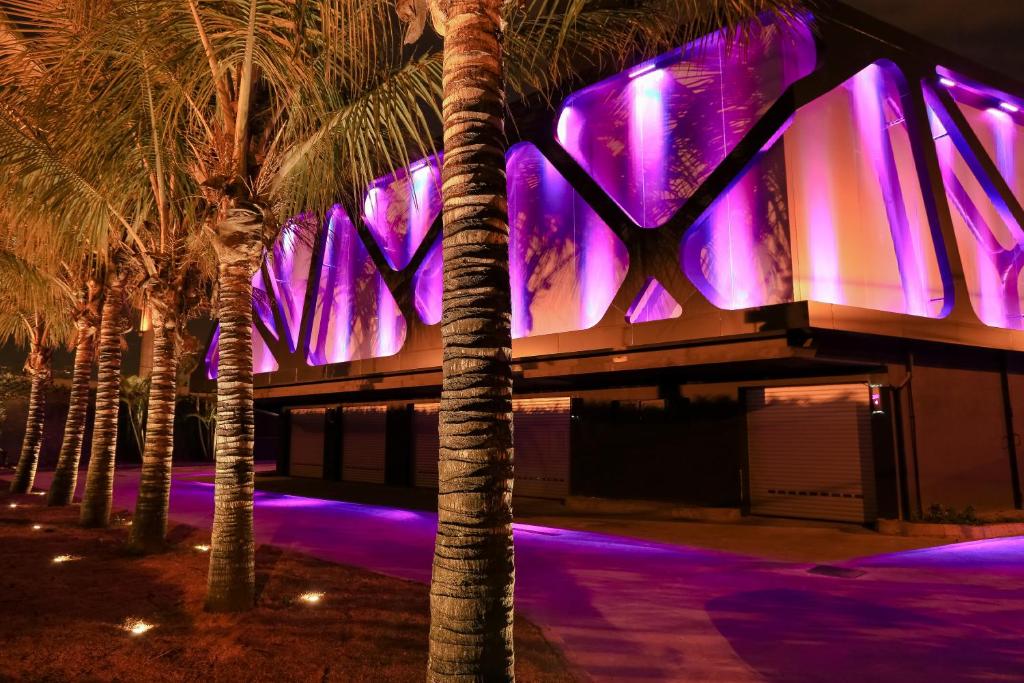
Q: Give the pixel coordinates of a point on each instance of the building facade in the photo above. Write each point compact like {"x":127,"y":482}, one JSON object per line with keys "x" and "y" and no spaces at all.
{"x":783,"y":276}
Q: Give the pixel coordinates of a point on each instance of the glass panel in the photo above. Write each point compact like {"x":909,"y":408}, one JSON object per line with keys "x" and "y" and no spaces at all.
{"x":355,"y":316}
{"x":288,"y":265}
{"x":651,"y":136}
{"x":653,"y":303}
{"x":426,"y":285}
{"x":566,"y":264}
{"x":400,"y":208}
{"x":738,"y":255}
{"x":990,"y":242}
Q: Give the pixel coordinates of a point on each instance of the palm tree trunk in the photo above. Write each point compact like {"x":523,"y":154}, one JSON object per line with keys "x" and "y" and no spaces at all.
{"x":473,"y":575}
{"x":62,"y":489}
{"x":25,"y":474}
{"x":149,"y":526}
{"x":99,"y":480}
{"x":231,"y":582}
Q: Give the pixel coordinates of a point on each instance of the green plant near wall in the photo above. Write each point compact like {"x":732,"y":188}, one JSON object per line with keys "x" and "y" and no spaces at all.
{"x":942,"y":514}
{"x":135,"y":398}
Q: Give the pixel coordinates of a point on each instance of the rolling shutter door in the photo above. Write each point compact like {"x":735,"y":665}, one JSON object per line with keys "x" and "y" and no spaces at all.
{"x":306,"y":443}
{"x":363,"y":439}
{"x":810,"y":452}
{"x":425,"y":444}
{"x":541,"y":431}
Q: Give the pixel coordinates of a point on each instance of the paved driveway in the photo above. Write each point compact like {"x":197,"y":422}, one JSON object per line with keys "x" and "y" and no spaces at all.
{"x":627,"y":609}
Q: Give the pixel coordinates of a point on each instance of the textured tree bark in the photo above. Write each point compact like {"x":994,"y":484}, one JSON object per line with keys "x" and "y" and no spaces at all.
{"x":232,"y":579}
{"x":38,"y":366}
{"x":62,"y":489}
{"x":149,"y":525}
{"x":473,"y":574}
{"x":99,"y":480}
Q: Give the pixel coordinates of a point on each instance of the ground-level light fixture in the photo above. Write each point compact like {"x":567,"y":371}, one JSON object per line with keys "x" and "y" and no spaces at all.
{"x":136,"y":627}
{"x":37,"y":527}
{"x":311,"y":597}
{"x":202,"y":547}
{"x":12,"y":505}
{"x":61,"y":559}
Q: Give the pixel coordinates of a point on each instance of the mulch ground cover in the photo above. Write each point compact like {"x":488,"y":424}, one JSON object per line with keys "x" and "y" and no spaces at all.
{"x":72,"y":620}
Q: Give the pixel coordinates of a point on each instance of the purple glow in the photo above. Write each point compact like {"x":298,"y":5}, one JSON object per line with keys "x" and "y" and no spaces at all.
{"x":566,"y":264}
{"x":948,"y":82}
{"x":355,"y":316}
{"x":289,"y":265}
{"x":991,"y":244}
{"x":427,"y":284}
{"x":840,"y":223}
{"x":653,"y":303}
{"x":400,"y":208}
{"x":650,"y":137}
{"x":1010,"y":108}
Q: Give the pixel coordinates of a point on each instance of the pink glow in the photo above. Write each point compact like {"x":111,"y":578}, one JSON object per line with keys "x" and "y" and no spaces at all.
{"x":262,"y":358}
{"x":400,"y":208}
{"x":355,"y":316}
{"x":565,"y":264}
{"x":427,"y":284}
{"x":650,"y":137}
{"x":653,"y":303}
{"x":289,"y":265}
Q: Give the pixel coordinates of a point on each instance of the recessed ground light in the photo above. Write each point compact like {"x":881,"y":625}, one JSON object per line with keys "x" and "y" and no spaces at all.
{"x":311,"y":598}
{"x":38,"y":493}
{"x":136,"y":627}
{"x":12,"y":505}
{"x":37,"y":527}
{"x":202,"y":547}
{"x":61,"y":559}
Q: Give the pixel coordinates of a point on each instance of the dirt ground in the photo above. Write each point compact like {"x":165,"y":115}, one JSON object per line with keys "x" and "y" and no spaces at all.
{"x":65,"y":621}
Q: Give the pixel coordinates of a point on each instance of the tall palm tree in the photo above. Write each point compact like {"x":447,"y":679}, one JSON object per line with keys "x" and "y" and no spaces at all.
{"x":86,"y":305}
{"x":40,"y":371}
{"x":473,"y":572}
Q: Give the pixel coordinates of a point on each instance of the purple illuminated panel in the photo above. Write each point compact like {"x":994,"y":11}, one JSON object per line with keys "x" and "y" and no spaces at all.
{"x":426,"y":286}
{"x":355,"y":316}
{"x":566,"y":264}
{"x":858,"y":233}
{"x":991,"y":243}
{"x":400,"y":208}
{"x":653,"y":303}
{"x":651,"y":136}
{"x":262,"y":358}
{"x":289,"y":264}
{"x":738,"y":254}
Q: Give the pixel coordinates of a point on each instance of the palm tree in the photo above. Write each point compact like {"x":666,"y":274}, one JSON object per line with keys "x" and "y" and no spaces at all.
{"x":86,"y":314}
{"x":39,"y":370}
{"x":473,"y":573}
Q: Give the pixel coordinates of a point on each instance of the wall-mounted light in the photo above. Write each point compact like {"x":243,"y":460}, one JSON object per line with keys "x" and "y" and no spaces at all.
{"x":947,"y":82}
{"x":645,"y":69}
{"x":1011,"y":108}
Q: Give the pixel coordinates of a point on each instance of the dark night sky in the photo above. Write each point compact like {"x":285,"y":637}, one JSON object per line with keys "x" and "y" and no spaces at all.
{"x":988,"y":31}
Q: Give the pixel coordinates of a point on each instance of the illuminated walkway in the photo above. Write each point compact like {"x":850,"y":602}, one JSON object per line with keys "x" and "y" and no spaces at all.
{"x":625,"y":609}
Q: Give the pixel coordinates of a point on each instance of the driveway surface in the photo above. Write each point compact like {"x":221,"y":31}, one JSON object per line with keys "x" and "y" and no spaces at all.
{"x":624,"y":609}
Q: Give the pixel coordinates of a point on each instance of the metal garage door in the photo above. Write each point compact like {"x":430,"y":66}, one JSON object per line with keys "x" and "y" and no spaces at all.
{"x":363,"y":433}
{"x":810,"y":452}
{"x":541,"y":429}
{"x":425,"y":444}
{"x":306,"y":442}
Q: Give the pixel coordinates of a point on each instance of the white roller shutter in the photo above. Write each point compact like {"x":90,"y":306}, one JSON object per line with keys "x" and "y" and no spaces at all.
{"x":363,"y":434}
{"x":425,"y":444}
{"x":541,"y":431}
{"x":306,"y":442}
{"x":810,"y":452}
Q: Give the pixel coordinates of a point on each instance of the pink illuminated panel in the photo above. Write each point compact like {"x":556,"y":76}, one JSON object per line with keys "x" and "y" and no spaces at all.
{"x":991,"y":243}
{"x":653,"y":303}
{"x":651,"y":136}
{"x":426,"y":286}
{"x":288,"y":265}
{"x":842,"y":178}
{"x":566,"y":264}
{"x":400,"y":208}
{"x":262,"y":358}
{"x":355,"y":316}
